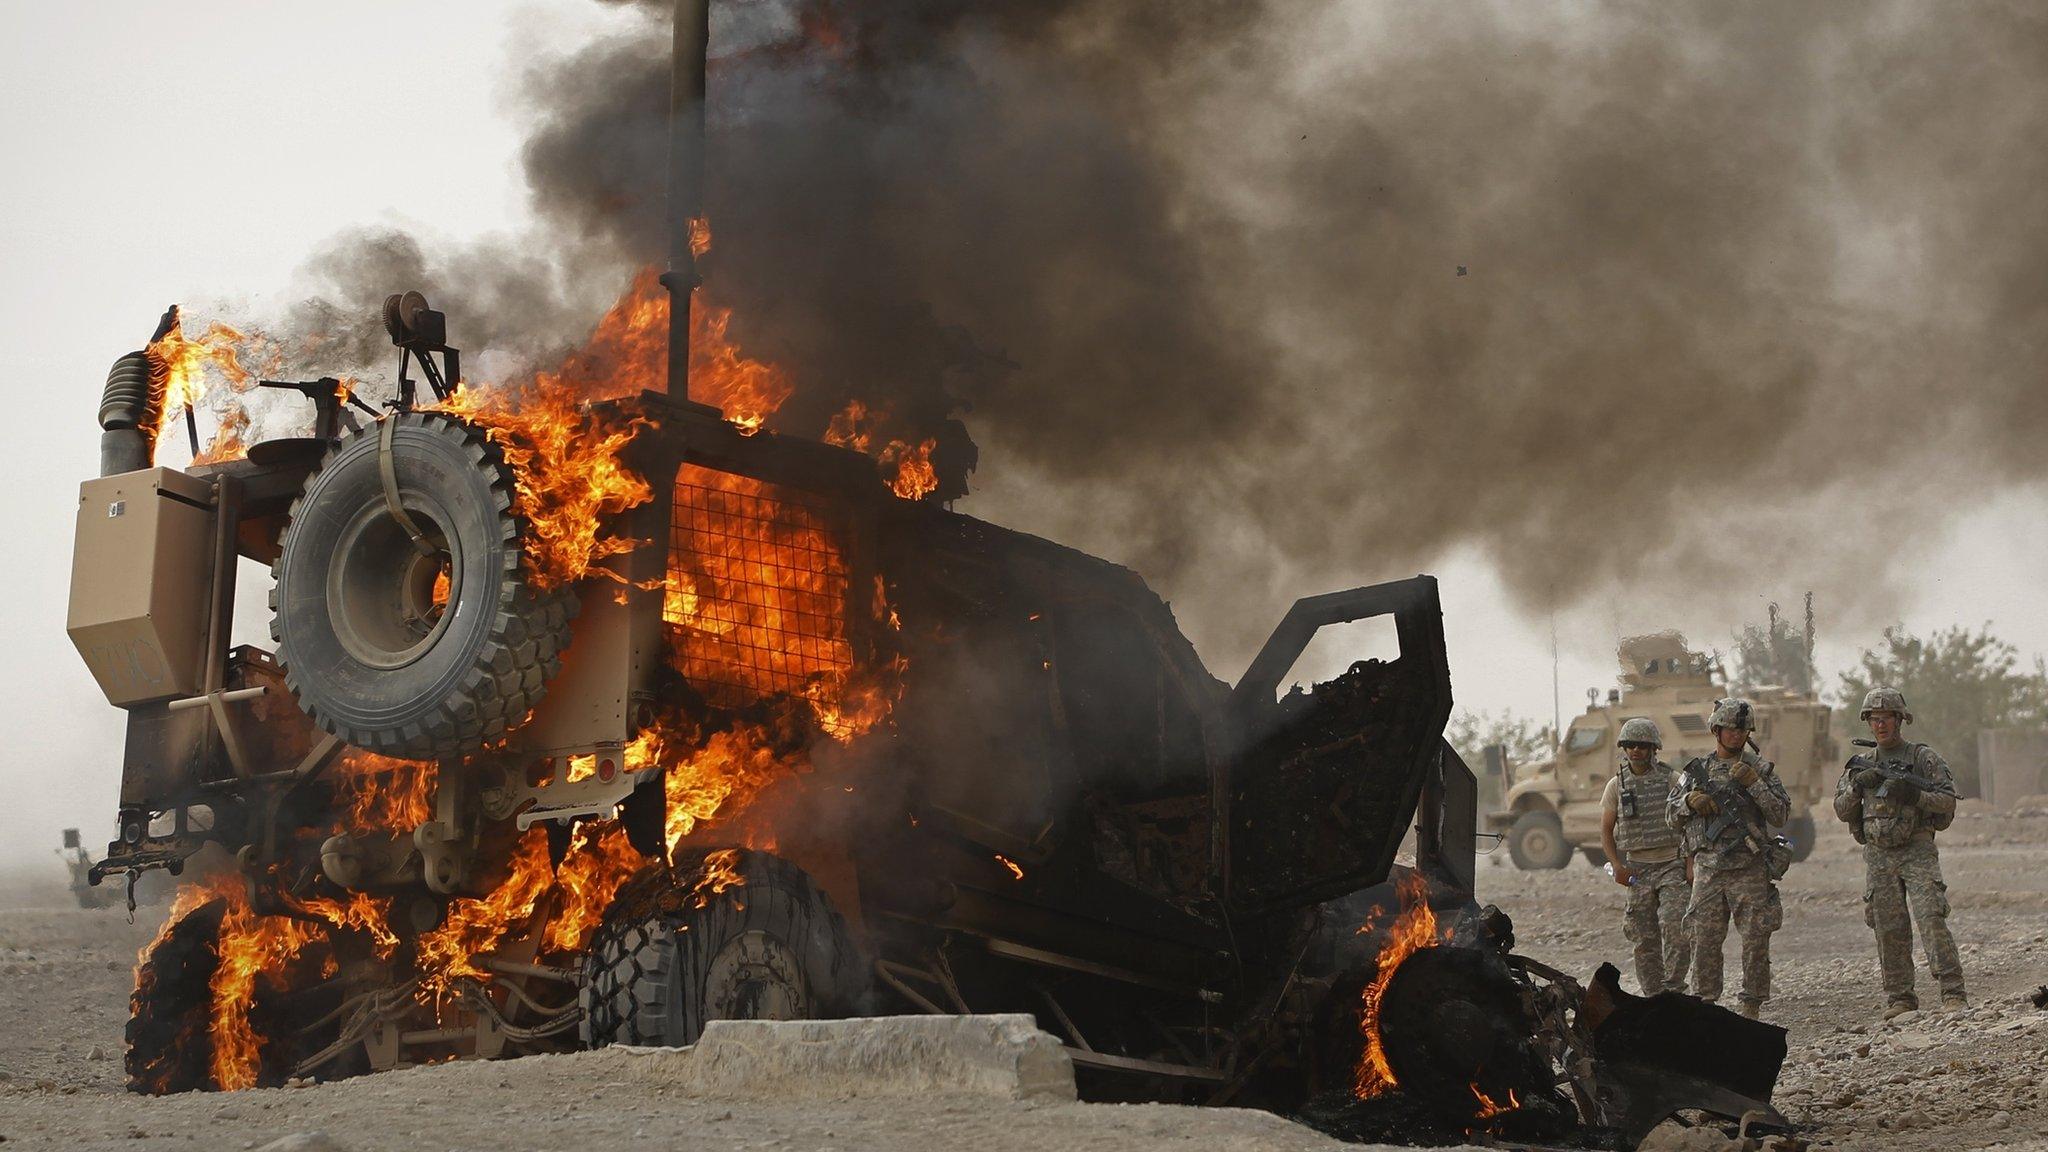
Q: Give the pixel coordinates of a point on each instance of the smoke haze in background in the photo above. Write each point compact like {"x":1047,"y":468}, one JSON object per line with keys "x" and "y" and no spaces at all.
{"x":1627,"y":299}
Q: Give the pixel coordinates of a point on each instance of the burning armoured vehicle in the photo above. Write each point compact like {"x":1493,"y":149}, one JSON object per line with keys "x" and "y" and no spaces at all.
{"x":808,"y":747}
{"x":593,"y":713}
{"x":1553,"y":808}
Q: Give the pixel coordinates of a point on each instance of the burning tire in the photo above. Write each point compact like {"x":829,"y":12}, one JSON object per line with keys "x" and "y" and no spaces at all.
{"x":674,"y":954}
{"x":420,"y":650}
{"x":169,"y":1048}
{"x":1536,"y":842}
{"x":175,"y":1026}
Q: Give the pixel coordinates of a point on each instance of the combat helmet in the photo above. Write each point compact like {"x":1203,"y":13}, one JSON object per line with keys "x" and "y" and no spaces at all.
{"x":1733,"y":712}
{"x":1641,"y":730}
{"x":1885,"y":700}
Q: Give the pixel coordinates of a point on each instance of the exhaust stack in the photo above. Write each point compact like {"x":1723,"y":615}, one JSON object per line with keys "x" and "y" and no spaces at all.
{"x":685,"y":180}
{"x":131,"y":408}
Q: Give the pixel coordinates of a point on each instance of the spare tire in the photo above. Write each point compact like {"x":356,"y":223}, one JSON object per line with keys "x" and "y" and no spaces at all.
{"x":411,"y":653}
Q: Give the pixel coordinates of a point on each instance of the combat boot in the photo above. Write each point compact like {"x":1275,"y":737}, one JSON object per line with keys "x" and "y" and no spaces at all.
{"x":1750,"y":1008}
{"x":1899,"y":1008}
{"x":1954,"y":1001}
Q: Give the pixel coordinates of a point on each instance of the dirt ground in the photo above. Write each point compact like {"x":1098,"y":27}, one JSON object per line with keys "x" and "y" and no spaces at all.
{"x":1976,"y":1079}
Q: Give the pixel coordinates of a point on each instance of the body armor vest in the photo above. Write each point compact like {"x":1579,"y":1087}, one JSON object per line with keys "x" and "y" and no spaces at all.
{"x":1639,"y":824}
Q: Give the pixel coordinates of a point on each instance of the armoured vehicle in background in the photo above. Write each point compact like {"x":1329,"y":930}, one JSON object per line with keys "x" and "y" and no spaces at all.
{"x":1551,"y":809}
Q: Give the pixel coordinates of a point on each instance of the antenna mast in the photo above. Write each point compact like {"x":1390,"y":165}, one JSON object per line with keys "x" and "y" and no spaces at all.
{"x":685,"y":180}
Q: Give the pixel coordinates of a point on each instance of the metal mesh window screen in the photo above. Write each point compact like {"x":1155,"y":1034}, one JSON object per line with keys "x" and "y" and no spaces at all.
{"x":755,"y":602}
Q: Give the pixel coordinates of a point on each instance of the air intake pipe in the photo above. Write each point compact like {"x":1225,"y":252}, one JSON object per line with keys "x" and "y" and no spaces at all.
{"x":131,"y":408}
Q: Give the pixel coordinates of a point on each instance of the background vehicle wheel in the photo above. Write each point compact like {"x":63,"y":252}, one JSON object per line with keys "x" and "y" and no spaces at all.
{"x":1536,"y":841}
{"x":413,"y":654}
{"x":668,"y":959}
{"x":1597,"y":857}
{"x":1802,"y":833}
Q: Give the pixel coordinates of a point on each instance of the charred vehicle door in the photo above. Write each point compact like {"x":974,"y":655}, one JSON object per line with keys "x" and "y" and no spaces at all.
{"x":1323,"y":785}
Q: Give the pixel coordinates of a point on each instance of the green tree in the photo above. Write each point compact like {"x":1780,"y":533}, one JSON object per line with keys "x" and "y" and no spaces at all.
{"x":1957,"y":682}
{"x":1526,"y":741}
{"x":1774,"y":653}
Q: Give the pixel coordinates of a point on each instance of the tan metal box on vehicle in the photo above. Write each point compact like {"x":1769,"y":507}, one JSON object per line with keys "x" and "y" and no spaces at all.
{"x":141,"y":567}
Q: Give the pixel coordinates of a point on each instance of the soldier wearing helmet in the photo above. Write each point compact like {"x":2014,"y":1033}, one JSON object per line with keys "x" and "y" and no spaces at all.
{"x":1643,"y":849}
{"x":1894,"y":798}
{"x":1723,"y":804}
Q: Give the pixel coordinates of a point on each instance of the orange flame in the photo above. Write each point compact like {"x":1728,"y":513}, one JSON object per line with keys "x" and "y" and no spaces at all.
{"x":599,"y":862}
{"x":178,"y":366}
{"x":1412,"y":931}
{"x":1487,"y":1108}
{"x":733,"y":765}
{"x":361,"y":912}
{"x":756,"y":588}
{"x":229,"y":442}
{"x":907,"y":470}
{"x":749,"y":391}
{"x":719,"y":872}
{"x":476,"y":926}
{"x":915,"y":478}
{"x":248,"y":946}
{"x":566,"y":468}
{"x":1016,"y":871}
{"x":385,"y":792}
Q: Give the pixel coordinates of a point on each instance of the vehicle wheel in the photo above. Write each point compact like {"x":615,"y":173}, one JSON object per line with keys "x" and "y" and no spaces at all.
{"x":171,"y":1012}
{"x":673,"y":955}
{"x":1536,"y":842}
{"x":412,"y":654}
{"x":1801,"y":832}
{"x":169,"y":1047}
{"x":1597,"y":857}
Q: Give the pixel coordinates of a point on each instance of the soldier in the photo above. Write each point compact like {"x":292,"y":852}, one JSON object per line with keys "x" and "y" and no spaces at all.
{"x":1894,"y":799}
{"x":1644,"y":851}
{"x":1722,"y":804}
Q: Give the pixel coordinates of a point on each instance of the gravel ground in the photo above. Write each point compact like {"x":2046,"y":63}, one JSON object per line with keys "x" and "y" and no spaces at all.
{"x":1935,"y":1081}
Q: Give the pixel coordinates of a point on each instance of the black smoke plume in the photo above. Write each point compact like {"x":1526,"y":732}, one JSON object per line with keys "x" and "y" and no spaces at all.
{"x":1629,"y":297}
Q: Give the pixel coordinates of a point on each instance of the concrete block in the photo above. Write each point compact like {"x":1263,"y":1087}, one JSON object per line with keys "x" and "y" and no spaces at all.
{"x":1003,"y":1056}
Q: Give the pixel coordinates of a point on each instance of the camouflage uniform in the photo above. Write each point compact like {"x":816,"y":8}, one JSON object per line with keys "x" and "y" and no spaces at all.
{"x":1655,"y":919}
{"x":1903,"y":868}
{"x":1730,"y":877}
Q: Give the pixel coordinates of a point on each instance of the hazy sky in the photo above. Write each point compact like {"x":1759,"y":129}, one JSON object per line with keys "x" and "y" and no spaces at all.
{"x":199,"y":151}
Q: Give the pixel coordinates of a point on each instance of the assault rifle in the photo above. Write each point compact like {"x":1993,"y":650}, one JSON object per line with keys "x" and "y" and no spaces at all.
{"x":1892,"y":774}
{"x":1730,"y":803}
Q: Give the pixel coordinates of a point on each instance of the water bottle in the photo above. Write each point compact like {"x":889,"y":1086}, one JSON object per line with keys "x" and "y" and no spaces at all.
{"x":1609,"y":869}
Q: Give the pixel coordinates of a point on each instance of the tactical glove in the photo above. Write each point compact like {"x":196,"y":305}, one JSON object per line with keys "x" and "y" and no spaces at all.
{"x":1744,"y":774}
{"x":1701,"y":804}
{"x":1868,"y":779}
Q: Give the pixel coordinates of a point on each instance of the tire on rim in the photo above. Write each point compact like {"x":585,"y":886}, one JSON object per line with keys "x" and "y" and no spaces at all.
{"x":1536,"y":842}
{"x":169,"y":1046}
{"x":661,"y":966}
{"x":403,"y":652}
{"x":170,"y":1039}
